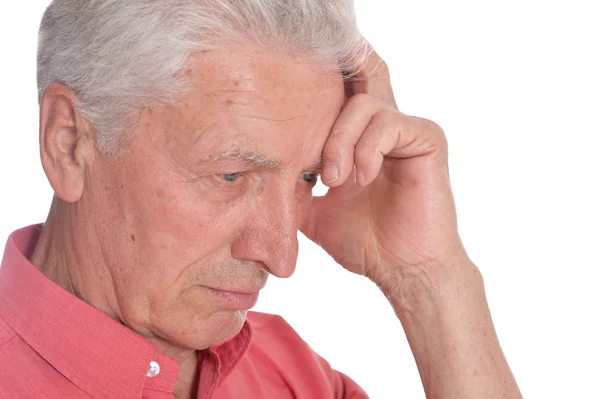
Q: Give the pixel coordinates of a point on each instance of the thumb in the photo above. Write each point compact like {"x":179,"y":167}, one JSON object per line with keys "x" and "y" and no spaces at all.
{"x":309,"y":227}
{"x":324,"y":215}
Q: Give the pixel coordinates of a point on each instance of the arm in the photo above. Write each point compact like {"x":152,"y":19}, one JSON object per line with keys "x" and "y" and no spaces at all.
{"x":395,"y":222}
{"x":447,"y":321}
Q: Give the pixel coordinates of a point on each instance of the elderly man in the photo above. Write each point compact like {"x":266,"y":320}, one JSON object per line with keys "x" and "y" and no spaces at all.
{"x":182,"y":140}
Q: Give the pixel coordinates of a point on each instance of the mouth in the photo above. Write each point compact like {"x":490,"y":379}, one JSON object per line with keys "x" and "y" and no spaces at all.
{"x":234,"y":300}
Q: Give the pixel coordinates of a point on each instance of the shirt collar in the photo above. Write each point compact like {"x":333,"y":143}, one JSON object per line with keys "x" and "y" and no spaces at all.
{"x":95,"y":352}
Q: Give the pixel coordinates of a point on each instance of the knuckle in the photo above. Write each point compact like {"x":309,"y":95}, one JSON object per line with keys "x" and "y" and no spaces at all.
{"x":382,"y":68}
{"x":360,"y":151}
{"x":387,"y":117}
{"x":434,"y":127}
{"x":364,"y":153}
{"x":335,"y":138}
{"x":334,"y":150}
{"x":430,"y":127}
{"x":369,"y":102}
{"x":359,"y":98}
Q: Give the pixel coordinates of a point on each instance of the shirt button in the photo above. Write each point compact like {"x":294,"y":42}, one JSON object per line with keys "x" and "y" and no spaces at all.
{"x":154,"y":369}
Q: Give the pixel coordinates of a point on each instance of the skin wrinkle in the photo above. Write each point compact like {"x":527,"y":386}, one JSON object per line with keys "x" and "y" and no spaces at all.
{"x":235,"y":91}
{"x":270,"y":119}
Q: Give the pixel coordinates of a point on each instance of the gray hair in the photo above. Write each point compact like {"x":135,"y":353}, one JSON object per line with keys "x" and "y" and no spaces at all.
{"x":119,"y":56}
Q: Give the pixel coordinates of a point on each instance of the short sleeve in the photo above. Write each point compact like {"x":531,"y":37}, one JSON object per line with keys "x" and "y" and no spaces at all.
{"x":344,"y":386}
{"x":284,"y":365}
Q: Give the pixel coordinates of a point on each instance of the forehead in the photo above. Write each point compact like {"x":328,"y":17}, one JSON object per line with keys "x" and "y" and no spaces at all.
{"x":258,"y":76}
{"x":239,"y":96}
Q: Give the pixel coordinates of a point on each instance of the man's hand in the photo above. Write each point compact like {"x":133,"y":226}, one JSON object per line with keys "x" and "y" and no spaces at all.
{"x":395,"y":222}
{"x":396,"y":210}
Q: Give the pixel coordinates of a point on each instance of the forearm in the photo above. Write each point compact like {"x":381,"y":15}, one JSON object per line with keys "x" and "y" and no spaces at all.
{"x":446,"y":318}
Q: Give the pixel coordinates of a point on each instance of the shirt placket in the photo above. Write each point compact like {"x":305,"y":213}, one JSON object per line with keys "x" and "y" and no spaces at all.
{"x":209,"y":375}
{"x":160,"y":377}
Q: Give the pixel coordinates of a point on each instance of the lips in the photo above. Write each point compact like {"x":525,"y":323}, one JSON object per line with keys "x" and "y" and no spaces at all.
{"x":246,"y":291}
{"x":234,"y":300}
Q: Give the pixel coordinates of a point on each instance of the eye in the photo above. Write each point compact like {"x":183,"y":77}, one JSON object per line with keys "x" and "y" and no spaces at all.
{"x":231,"y":177}
{"x":310,"y":177}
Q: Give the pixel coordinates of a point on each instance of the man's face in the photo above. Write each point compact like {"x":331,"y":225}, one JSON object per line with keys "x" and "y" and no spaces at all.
{"x":212,"y":192}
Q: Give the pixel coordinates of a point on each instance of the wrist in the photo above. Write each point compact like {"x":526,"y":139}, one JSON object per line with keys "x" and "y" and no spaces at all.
{"x":433,"y":286}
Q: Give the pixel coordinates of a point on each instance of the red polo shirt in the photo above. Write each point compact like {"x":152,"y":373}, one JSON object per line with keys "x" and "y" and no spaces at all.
{"x":54,"y":345}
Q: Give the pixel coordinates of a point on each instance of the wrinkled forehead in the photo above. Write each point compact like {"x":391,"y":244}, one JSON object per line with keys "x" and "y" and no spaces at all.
{"x":259,"y":78}
{"x":240,"y":93}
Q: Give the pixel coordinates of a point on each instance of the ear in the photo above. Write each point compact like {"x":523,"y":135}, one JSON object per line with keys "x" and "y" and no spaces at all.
{"x":65,"y":141}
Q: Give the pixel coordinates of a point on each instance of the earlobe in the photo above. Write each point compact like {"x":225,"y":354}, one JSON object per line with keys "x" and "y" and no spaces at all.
{"x":61,"y":143}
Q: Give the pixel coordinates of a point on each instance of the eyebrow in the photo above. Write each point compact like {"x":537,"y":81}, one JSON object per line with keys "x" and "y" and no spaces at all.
{"x":251,"y":157}
{"x":257,"y":159}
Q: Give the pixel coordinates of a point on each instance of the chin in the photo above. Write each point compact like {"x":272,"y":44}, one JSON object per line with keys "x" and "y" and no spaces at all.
{"x":226,"y":325}
{"x":200,"y":331}
{"x":219,"y":327}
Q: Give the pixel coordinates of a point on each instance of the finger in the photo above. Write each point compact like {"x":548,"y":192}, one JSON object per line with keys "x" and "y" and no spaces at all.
{"x":379,"y":138}
{"x":374,"y":79}
{"x":395,"y":135}
{"x":338,"y":151}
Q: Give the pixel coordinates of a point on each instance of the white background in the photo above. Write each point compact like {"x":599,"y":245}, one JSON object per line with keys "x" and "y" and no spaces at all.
{"x":515,"y":85}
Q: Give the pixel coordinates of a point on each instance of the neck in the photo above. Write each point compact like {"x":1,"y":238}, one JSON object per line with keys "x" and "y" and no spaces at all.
{"x":67,"y":255}
{"x":70,"y":255}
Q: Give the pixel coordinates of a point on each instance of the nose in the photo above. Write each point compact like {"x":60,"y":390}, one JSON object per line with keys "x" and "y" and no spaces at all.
{"x":270,"y":234}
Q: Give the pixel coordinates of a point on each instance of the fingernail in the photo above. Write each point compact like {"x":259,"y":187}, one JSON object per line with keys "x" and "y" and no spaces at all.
{"x":330,"y":173}
{"x":360,"y":179}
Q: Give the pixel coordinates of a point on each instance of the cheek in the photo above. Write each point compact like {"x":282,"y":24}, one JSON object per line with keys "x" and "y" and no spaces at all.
{"x":177,"y":230}
{"x":185,"y":220}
